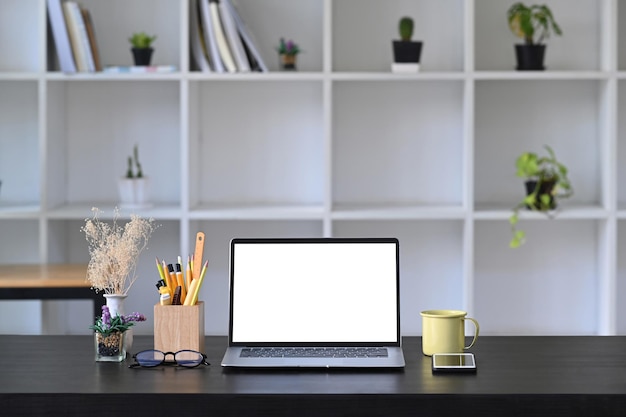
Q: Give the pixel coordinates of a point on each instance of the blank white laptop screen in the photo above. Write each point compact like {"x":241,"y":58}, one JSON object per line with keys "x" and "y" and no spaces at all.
{"x":314,"y":292}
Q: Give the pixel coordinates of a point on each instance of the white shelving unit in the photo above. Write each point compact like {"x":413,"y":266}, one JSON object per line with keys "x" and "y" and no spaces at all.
{"x":341,"y":147}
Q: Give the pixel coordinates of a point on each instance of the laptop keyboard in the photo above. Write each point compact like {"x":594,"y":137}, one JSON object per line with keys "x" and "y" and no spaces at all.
{"x":315,"y":352}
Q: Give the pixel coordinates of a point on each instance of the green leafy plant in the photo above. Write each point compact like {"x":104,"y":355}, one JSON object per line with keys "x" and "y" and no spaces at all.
{"x":546,"y":180}
{"x":287,"y":47}
{"x":141,"y":40}
{"x":405,"y":27}
{"x":134,"y":160}
{"x":106,"y":325}
{"x":532,"y":23}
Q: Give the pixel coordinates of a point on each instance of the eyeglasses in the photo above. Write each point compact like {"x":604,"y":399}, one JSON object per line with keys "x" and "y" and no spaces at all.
{"x":153,"y":357}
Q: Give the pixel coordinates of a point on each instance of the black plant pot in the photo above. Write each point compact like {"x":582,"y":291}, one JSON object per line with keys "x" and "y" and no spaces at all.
{"x":545,"y":188}
{"x":407,"y":52}
{"x":142,"y":56}
{"x":530,"y":57}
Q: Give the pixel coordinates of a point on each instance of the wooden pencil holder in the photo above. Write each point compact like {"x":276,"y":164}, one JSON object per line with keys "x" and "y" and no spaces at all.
{"x":179,"y":327}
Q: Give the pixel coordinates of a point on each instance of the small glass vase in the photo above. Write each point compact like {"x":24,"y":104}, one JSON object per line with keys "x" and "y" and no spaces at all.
{"x":288,"y":62}
{"x":109,"y":348}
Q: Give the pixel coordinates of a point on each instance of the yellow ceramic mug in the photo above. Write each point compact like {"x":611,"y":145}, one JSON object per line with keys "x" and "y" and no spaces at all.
{"x":443,"y":331}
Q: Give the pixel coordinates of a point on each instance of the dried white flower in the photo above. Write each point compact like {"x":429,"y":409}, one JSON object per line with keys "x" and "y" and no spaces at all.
{"x":114,"y":251}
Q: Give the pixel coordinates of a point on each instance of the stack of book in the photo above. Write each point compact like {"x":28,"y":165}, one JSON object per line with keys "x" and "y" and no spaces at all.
{"x":220,"y":41}
{"x":74,"y":37}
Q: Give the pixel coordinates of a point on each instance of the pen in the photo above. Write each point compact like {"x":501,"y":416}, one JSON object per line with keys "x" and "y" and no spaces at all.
{"x":180,"y":280}
{"x":176,"y":298}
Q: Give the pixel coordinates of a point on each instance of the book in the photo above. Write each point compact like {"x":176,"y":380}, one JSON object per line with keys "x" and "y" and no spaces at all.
{"x":78,"y":37}
{"x":197,"y":48}
{"x":61,"y":37}
{"x":249,"y":43}
{"x":143,"y":69}
{"x":220,"y":37}
{"x":209,"y":37}
{"x":234,"y":40}
{"x":91,"y":33}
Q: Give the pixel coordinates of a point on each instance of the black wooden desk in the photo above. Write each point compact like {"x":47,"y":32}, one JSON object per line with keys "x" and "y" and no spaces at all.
{"x":517,"y":376}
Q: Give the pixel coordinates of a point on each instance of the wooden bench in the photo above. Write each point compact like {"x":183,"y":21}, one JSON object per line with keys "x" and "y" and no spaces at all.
{"x":48,"y":282}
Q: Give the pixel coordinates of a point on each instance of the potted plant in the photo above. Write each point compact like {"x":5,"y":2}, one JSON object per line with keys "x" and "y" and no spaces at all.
{"x":533,"y":24}
{"x":134,"y":186}
{"x":114,"y":251}
{"x":546,"y":182}
{"x":406,"y":52}
{"x":288,"y":51}
{"x":142,"y":48}
{"x":109,"y":334}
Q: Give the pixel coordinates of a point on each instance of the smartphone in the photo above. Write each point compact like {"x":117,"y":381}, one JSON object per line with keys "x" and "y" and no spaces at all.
{"x":454,"y":362}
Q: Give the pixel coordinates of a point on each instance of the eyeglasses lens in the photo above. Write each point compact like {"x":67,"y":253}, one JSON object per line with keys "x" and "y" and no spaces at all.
{"x":150,"y":358}
{"x":188,"y":358}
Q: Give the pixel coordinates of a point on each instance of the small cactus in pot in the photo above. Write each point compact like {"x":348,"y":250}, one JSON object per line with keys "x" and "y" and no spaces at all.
{"x":406,"y":52}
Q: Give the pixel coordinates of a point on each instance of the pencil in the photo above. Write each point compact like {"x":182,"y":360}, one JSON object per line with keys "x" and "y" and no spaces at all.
{"x":198,"y":284}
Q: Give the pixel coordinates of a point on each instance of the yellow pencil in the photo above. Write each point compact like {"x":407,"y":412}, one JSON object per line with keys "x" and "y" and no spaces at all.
{"x":160,"y":269}
{"x":168,"y":280}
{"x":188,"y":278}
{"x":196,"y":290}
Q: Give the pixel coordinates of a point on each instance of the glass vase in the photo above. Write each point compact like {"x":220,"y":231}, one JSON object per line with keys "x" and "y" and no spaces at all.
{"x":109,"y":348}
{"x":288,"y":62}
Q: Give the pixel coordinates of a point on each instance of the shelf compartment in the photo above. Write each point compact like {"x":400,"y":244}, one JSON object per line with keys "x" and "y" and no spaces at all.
{"x":580,"y":48}
{"x":300,"y":21}
{"x":116,"y":20}
{"x":19,"y":144}
{"x":565,"y":115}
{"x":431,"y":266}
{"x":20,"y":35}
{"x":366,"y":46}
{"x":257,"y":144}
{"x":23,"y":246}
{"x":89,"y":144}
{"x":547,"y":286}
{"x":405,"y":154}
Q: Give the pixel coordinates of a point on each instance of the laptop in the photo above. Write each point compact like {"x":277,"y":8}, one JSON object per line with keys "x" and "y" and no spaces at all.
{"x":314,"y":302}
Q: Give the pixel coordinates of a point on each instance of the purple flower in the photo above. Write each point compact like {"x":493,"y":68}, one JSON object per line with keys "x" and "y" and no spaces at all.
{"x":106,"y":316}
{"x":133,"y":317}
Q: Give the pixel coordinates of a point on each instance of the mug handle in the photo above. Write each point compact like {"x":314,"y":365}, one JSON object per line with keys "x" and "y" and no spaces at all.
{"x":477,"y":329}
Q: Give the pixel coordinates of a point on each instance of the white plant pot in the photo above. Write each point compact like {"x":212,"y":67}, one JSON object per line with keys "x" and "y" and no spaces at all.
{"x":116,"y":302}
{"x":134,"y":192}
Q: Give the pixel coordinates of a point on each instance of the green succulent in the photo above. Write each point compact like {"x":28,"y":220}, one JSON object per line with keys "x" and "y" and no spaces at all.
{"x":141,"y":40}
{"x":405,"y":27}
